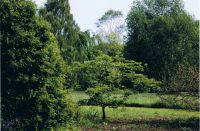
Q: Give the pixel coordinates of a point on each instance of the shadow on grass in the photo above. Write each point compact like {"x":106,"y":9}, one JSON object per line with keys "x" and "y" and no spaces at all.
{"x":162,"y":105}
{"x":155,"y":105}
{"x":191,"y":124}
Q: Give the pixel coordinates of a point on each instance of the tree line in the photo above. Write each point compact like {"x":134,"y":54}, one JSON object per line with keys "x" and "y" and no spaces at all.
{"x":44,"y":53}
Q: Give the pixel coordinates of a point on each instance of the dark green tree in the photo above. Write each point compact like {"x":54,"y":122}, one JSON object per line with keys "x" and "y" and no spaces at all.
{"x":86,"y":43}
{"x":162,"y":35}
{"x":67,"y":32}
{"x":33,"y":97}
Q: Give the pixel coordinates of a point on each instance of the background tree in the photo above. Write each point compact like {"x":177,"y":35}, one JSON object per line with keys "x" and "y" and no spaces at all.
{"x":33,"y":97}
{"x":67,"y":32}
{"x":162,"y":35}
{"x":184,"y":85}
{"x":86,"y":43}
{"x":111,"y":27}
{"x":110,"y":49}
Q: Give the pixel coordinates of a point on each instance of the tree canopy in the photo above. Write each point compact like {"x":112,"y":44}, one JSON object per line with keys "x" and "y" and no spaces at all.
{"x":43,"y":53}
{"x":114,"y":72}
{"x":162,"y":35}
{"x":70,"y":39}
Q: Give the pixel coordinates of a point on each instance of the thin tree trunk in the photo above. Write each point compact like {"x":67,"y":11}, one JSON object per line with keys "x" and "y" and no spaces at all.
{"x":103,"y":113}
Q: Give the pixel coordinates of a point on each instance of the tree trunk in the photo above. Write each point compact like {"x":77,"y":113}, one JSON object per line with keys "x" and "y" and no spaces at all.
{"x":103,"y":113}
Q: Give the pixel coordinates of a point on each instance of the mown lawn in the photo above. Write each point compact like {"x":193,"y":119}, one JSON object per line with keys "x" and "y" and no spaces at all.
{"x":138,"y":118}
{"x":134,"y":116}
{"x":140,"y":113}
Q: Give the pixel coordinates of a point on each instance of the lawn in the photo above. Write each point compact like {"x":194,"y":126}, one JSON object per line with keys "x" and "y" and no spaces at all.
{"x":151,"y":100}
{"x":136,"y":114}
{"x":77,"y":96}
{"x":140,"y":113}
{"x":138,"y":118}
{"x":138,"y":98}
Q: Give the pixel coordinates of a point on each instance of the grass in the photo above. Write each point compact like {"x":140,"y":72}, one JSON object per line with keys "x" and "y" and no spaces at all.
{"x":135,"y":116}
{"x":151,"y":100}
{"x":138,"y":118}
{"x":139,"y":113}
{"x":77,"y":96}
{"x":139,"y":98}
{"x":143,"y":99}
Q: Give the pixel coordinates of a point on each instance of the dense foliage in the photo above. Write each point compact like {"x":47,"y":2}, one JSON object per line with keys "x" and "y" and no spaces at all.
{"x":115,"y":72}
{"x":44,"y":52}
{"x":72,"y":42}
{"x":162,"y":35}
{"x":32,"y":71}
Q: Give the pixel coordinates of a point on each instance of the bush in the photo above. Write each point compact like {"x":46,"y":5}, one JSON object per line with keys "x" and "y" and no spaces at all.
{"x":33,"y":71}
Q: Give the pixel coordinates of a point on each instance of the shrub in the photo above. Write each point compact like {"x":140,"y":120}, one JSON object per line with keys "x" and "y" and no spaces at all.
{"x":33,"y":97}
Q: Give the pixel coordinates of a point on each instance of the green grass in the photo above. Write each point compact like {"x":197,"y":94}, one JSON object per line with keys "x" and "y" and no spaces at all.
{"x":143,"y":99}
{"x":138,"y":113}
{"x":134,"y":115}
{"x":141,"y":119}
{"x":76,"y":96}
{"x":139,"y":98}
{"x":151,"y":100}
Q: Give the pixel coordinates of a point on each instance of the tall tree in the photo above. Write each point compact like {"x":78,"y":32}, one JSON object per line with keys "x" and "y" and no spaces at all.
{"x":67,"y":32}
{"x":111,"y":26}
{"x":162,"y":35}
{"x":33,"y":97}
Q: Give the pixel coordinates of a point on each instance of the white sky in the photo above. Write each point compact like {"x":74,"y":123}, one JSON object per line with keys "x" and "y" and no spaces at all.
{"x":87,"y":12}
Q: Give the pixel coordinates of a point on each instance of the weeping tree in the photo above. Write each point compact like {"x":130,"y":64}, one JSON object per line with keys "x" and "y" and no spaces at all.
{"x":33,"y":70}
{"x":67,"y":32}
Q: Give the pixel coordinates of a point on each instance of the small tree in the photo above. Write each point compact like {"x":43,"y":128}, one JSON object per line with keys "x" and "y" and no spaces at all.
{"x":104,"y":75}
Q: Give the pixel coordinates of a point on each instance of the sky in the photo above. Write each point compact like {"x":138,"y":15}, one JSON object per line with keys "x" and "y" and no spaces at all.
{"x":87,"y":12}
